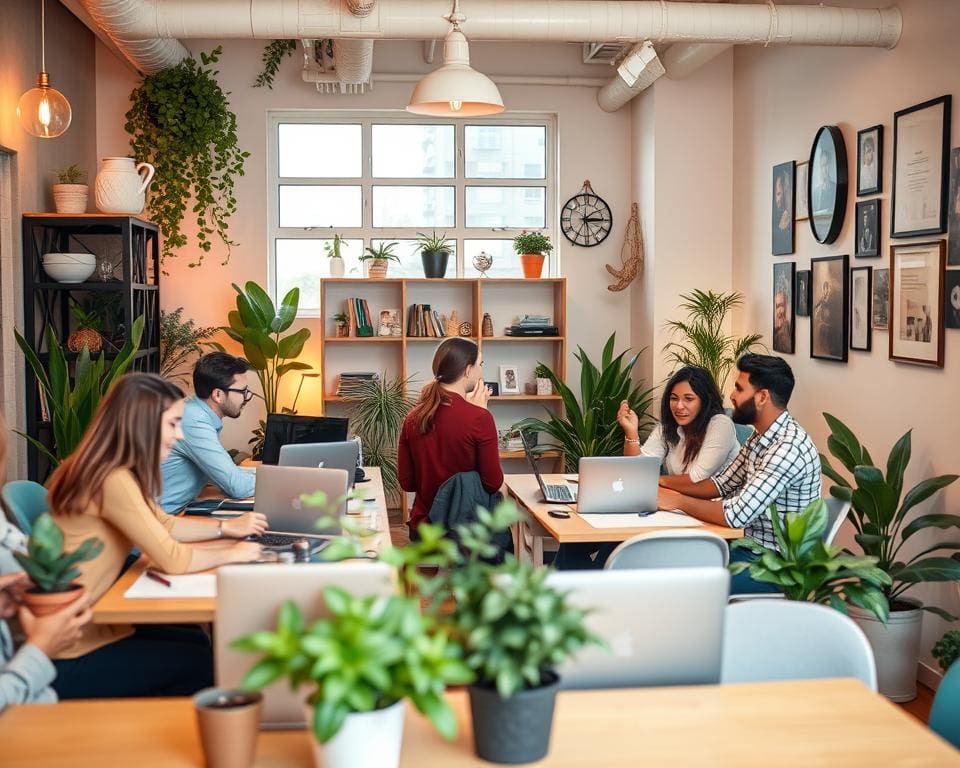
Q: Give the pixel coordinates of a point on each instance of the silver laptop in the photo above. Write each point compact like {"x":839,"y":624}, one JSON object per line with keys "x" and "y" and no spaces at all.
{"x":249,"y":598}
{"x":617,"y":484}
{"x":553,"y":493}
{"x":278,"y":492}
{"x":345,"y":456}
{"x":661,"y":626}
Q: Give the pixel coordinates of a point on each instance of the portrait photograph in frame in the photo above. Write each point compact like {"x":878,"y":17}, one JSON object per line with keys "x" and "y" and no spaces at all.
{"x":921,"y":140}
{"x":509,"y":380}
{"x":860,"y":320}
{"x":953,"y":211}
{"x":951,"y":298}
{"x":827,"y":184}
{"x":782,"y":209}
{"x":880,"y":305}
{"x":829,"y":307}
{"x":801,"y":207}
{"x":783,"y":326}
{"x":802,"y":302}
{"x":868,"y":228}
{"x":916,"y":309}
{"x":870,"y":161}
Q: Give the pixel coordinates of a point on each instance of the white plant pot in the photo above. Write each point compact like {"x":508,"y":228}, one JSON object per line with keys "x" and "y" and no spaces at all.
{"x":121,"y":185}
{"x":365,"y":740}
{"x":896,"y":648}
{"x":544,"y":386}
{"x":70,"y":198}
{"x":337,"y":267}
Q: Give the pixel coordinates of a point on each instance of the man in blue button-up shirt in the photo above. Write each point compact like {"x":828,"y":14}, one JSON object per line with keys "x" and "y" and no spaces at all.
{"x":221,"y":391}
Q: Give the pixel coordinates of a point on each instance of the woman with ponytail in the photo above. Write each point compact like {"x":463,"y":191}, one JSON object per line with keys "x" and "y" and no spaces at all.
{"x":450,"y":429}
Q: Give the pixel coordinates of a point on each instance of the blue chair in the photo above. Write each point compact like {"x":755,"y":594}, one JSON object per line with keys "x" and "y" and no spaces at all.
{"x":945,"y":713}
{"x":27,"y":500}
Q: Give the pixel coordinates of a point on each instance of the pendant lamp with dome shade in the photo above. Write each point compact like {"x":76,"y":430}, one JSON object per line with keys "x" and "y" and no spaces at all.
{"x":44,"y":111}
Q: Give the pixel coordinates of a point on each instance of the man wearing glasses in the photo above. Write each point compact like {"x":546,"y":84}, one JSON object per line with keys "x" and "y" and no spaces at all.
{"x":220,"y":392}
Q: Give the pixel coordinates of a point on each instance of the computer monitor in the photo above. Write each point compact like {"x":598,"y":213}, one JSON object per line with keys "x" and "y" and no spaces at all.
{"x":285,"y":428}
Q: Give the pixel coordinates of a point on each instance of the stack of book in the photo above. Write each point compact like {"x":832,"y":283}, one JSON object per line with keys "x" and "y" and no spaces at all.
{"x":361,"y":322}
{"x":423,"y":321}
{"x":533,"y":325}
{"x":350,"y":383}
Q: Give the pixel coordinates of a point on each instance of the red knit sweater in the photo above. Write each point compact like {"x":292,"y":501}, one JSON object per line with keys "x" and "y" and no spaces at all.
{"x":463,"y":438}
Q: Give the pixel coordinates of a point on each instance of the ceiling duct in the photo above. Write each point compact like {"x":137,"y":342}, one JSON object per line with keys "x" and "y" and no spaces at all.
{"x":604,"y":53}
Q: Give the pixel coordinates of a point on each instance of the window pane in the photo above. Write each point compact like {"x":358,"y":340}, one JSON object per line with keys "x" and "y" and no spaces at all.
{"x":506,"y":262}
{"x":307,"y":206}
{"x":301,"y":263}
{"x":413,"y":207}
{"x":506,"y":207}
{"x":413,"y":151}
{"x":411,"y":265}
{"x":318,"y":151}
{"x":506,"y":151}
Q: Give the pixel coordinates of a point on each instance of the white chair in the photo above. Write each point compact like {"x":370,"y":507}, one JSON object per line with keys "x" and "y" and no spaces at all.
{"x":789,"y":640}
{"x":670,"y":549}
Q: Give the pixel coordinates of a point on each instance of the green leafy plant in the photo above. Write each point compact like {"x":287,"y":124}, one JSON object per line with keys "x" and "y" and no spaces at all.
{"x":341,"y":318}
{"x":179,"y":340}
{"x":72,"y":403}
{"x":180,"y":121}
{"x":879,"y":509}
{"x":72,"y":174}
{"x":703,"y":341}
{"x":807,"y":569}
{"x":947,"y":649}
{"x":383,"y":252}
{"x":541,"y":371}
{"x":274,"y":53}
{"x":48,"y":566}
{"x":589,"y":426}
{"x":333,"y":247}
{"x":532,"y":242}
{"x":434,"y":242}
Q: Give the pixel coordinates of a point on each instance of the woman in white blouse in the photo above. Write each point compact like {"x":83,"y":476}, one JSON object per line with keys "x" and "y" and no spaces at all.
{"x":694,"y":436}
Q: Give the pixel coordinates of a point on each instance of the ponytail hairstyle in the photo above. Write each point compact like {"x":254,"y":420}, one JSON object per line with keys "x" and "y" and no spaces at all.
{"x":711,"y":403}
{"x":450,"y":363}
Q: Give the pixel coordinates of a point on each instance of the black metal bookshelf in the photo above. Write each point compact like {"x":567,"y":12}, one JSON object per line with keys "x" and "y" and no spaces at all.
{"x":129,"y":249}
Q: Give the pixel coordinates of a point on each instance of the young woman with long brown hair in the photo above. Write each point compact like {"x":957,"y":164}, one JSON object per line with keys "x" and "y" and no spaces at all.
{"x":106,"y":488}
{"x":450,"y":429}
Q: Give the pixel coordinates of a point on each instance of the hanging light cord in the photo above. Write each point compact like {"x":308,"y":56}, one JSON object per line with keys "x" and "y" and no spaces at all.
{"x":43,"y":36}
{"x":455,"y":16}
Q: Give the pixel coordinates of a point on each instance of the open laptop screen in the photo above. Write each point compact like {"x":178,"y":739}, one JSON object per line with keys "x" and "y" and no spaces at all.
{"x":284,"y":429}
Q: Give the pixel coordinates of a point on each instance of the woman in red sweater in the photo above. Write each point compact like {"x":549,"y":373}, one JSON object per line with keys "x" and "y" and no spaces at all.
{"x":450,"y":429}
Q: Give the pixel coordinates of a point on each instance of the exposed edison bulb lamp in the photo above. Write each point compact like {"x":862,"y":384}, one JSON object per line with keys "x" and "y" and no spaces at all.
{"x":44,"y":111}
{"x":455,"y":89}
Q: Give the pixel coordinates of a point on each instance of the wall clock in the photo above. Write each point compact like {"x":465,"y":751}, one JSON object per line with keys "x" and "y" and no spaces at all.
{"x":585,"y":218}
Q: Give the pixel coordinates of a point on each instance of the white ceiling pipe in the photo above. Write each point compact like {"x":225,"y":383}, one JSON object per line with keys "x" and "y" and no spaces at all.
{"x":354,"y":60}
{"x":683,"y":59}
{"x":147,"y":53}
{"x":529,"y":20}
{"x":638,"y":71}
{"x":587,"y":82}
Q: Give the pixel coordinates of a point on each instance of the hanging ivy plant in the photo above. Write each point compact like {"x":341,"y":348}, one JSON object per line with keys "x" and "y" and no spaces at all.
{"x":273,"y":54}
{"x":181,"y":122}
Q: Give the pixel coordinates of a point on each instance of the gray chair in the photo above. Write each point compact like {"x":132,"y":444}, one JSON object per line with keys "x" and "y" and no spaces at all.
{"x":837,"y":510}
{"x":788,"y":640}
{"x":670,"y":549}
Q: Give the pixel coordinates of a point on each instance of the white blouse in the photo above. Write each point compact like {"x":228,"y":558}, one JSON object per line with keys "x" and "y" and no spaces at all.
{"x":719,"y":447}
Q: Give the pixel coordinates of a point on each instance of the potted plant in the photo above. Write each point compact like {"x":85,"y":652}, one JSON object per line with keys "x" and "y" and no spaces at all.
{"x":342,"y":324}
{"x":179,"y":341}
{"x":71,"y":192}
{"x":947,"y":649}
{"x":379,"y":258}
{"x":879,"y":508}
{"x":51,"y":570}
{"x":332,"y":248}
{"x":434,"y":253}
{"x":544,"y":384}
{"x":88,"y":333}
{"x":358,"y":666}
{"x":532,"y":247}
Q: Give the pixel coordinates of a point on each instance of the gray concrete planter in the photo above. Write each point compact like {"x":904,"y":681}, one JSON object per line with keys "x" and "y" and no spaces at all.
{"x":896,"y":648}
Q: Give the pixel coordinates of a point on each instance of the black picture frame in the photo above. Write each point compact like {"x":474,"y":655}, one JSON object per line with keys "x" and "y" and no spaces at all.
{"x":827,"y":180}
{"x":494,"y":387}
{"x":870,"y":139}
{"x":953,"y":211}
{"x":905,"y":176}
{"x":867,"y":234}
{"x":861,"y":290}
{"x":782,"y":203}
{"x":951,"y":298}
{"x":829,"y":308}
{"x":784,"y":339}
{"x":880,"y":304}
{"x":802,"y":294}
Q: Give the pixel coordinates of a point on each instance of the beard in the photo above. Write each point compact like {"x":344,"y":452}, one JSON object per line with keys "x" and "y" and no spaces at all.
{"x":231,"y":411}
{"x":745,"y":413}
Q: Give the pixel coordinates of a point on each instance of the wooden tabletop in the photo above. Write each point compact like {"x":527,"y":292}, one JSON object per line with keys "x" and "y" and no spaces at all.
{"x":114,"y":608}
{"x":822,"y":723}
{"x":526,"y":491}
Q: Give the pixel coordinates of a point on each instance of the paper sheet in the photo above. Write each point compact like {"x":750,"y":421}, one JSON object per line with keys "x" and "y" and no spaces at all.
{"x":656,"y":520}
{"x":188,"y":585}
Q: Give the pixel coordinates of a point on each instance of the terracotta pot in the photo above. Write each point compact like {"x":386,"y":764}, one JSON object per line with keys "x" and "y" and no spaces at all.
{"x":532,"y":265}
{"x":70,"y":198}
{"x":44,"y":603}
{"x":377,"y":269}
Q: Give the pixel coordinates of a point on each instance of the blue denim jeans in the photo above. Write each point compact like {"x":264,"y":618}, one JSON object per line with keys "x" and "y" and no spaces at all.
{"x":742,"y":584}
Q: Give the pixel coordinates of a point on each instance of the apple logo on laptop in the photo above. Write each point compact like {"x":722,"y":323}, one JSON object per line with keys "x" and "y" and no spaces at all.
{"x":617,"y":485}
{"x":621,"y":645}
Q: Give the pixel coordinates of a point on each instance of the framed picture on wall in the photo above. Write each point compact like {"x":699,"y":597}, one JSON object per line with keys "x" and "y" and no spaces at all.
{"x":801,"y":206}
{"x":953,"y":211}
{"x":916,"y":309}
{"x":782,"y":222}
{"x":830,"y":300}
{"x":951,"y":298}
{"x":827,"y":183}
{"x":860,"y":321}
{"x":870,"y":160}
{"x":868,"y":228}
{"x":783,"y":337}
{"x":802,"y":302}
{"x":881,"y":299}
{"x":921,"y":139}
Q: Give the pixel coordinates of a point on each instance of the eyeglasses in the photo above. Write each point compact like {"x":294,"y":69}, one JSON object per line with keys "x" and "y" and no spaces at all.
{"x":246,"y":392}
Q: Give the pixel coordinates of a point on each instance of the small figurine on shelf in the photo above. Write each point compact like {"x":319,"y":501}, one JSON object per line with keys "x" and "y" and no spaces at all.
{"x":342,"y":324}
{"x":487,"y":325}
{"x":466,"y":328}
{"x":451,"y":325}
{"x":544,"y":383}
{"x":482,"y":262}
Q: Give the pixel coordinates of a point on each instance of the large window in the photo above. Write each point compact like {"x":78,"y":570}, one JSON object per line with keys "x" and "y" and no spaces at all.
{"x":386,"y":179}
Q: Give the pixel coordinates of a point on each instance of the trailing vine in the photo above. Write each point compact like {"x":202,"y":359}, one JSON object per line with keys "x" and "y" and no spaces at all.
{"x":273,"y":54}
{"x":181,"y":122}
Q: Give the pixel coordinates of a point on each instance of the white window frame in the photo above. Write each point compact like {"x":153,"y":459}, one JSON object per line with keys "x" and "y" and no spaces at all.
{"x":367,"y":232}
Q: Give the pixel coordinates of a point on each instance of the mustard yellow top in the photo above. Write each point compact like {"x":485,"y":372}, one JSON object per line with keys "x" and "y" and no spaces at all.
{"x":124,"y":520}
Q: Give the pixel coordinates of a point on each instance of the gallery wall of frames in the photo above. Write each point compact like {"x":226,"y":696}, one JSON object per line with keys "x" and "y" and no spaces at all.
{"x":903,"y":282}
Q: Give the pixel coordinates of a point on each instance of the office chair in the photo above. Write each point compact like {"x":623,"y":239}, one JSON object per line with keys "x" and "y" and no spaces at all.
{"x":670,"y":549}
{"x":27,"y":500}
{"x":945,"y":713}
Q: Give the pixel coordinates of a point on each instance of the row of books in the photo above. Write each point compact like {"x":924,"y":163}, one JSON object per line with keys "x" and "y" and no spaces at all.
{"x":423,"y":321}
{"x":361,"y":321}
{"x":350,"y":383}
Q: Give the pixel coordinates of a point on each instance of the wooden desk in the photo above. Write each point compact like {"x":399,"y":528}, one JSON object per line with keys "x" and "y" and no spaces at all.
{"x":114,"y":608}
{"x":822,"y":723}
{"x":525,"y":490}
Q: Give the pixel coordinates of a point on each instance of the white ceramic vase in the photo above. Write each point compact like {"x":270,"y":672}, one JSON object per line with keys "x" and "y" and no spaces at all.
{"x":122,"y":185}
{"x":365,"y":740}
{"x":337,"y":268}
{"x":70,"y":198}
{"x":896,"y":648}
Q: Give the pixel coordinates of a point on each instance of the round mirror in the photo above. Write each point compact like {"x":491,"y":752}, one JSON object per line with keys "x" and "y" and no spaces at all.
{"x":827,"y":184}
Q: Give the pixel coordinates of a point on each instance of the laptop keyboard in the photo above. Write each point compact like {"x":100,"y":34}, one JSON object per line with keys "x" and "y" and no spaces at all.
{"x":561,"y":492}
{"x":277,"y":540}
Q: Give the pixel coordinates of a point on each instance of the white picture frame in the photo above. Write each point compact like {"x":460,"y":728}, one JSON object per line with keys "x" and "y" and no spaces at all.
{"x":509,"y":380}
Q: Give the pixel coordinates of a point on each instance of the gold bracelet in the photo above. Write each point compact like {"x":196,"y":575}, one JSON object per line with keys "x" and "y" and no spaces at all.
{"x":632,"y":440}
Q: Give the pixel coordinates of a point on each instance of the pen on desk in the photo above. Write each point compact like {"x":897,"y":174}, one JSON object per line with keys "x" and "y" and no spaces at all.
{"x":158,"y":577}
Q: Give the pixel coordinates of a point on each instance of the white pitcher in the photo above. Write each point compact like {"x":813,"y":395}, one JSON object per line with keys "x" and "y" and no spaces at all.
{"x":121,"y":185}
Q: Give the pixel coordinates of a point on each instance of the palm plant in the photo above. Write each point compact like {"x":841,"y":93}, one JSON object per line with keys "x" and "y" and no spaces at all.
{"x":179,"y":340}
{"x":589,"y":426}
{"x":704,"y":342}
